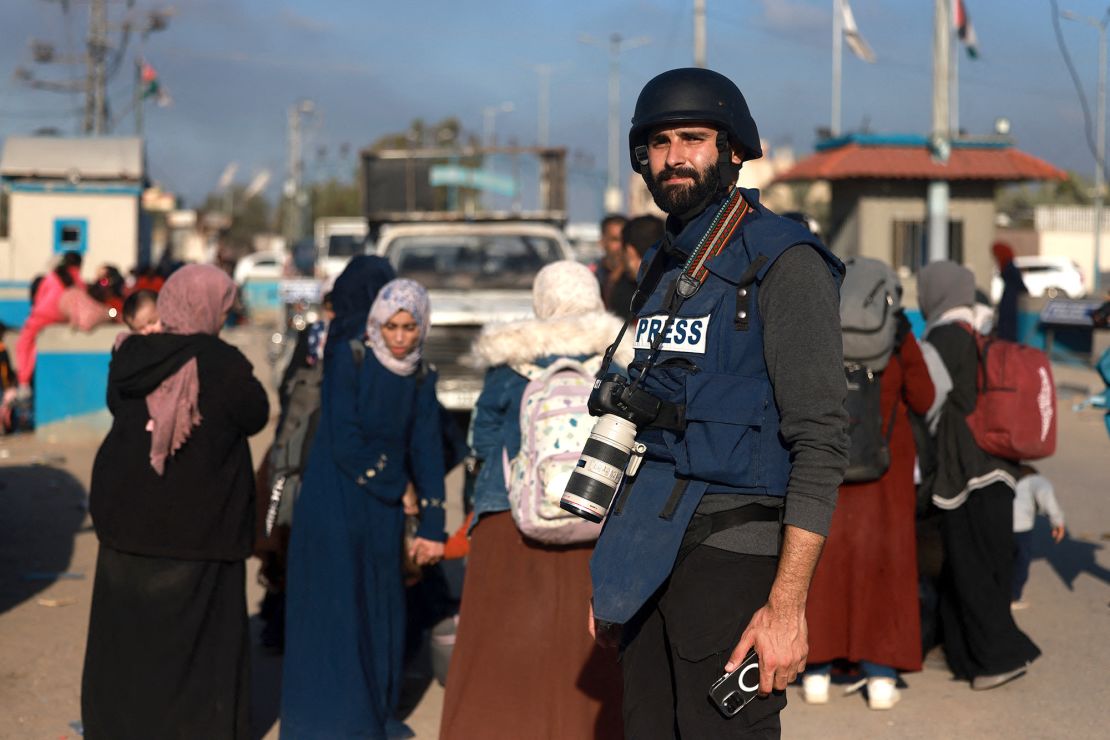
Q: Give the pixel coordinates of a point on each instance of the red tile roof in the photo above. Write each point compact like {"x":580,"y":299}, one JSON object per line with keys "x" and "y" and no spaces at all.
{"x":854,"y":160}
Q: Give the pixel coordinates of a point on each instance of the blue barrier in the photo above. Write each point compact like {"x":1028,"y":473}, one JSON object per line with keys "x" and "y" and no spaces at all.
{"x":15,"y":302}
{"x":71,"y":372}
{"x":261,"y":295}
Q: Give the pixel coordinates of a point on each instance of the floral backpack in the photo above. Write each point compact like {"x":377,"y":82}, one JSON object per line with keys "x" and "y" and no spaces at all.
{"x":554,"y":427}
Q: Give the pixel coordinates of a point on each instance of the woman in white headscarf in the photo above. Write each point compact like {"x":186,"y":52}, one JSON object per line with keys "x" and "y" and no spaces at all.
{"x":521,"y":639}
{"x":345,"y":614}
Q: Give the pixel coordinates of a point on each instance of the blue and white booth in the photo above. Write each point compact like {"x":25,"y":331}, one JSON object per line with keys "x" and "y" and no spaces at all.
{"x":69,"y":194}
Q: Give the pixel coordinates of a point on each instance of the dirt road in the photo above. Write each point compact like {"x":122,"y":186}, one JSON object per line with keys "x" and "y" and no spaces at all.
{"x":48,"y":554}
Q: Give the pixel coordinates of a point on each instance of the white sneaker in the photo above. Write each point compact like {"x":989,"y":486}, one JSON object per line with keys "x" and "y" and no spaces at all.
{"x":815,"y":688}
{"x":882,"y":693}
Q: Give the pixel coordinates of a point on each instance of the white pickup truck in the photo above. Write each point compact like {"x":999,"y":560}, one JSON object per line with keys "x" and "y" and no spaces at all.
{"x":475,"y":272}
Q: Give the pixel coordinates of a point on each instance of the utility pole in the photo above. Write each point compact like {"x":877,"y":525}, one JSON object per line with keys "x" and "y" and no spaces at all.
{"x":544,"y":73}
{"x":1101,"y":154}
{"x":699,"y":33}
{"x":296,"y":198}
{"x":614,"y":196}
{"x":138,"y":97}
{"x":489,"y":120}
{"x":954,"y":87}
{"x":940,"y":138}
{"x":1100,"y":139}
{"x":837,"y":55}
{"x":96,"y":94}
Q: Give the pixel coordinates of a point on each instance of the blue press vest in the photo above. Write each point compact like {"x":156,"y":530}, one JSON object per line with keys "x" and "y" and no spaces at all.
{"x":712,"y":363}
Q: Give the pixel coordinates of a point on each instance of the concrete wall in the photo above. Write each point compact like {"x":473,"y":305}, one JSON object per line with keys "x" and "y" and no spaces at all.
{"x":113,"y":230}
{"x":1078,"y":247}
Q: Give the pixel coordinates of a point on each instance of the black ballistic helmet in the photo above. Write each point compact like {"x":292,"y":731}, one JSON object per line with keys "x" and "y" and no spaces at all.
{"x":692,"y":95}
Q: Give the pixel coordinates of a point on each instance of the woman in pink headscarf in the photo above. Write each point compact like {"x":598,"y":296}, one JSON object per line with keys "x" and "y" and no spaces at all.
{"x":172,"y":502}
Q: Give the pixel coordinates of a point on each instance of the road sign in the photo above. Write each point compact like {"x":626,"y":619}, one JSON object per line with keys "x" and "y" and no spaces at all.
{"x":469,"y":177}
{"x":1068,"y":312}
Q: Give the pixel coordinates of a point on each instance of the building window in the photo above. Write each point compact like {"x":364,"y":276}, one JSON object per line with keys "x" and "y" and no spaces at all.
{"x":911,"y":244}
{"x":71,"y":235}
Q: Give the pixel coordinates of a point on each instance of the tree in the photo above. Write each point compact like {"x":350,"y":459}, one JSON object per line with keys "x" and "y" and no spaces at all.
{"x":334,"y":197}
{"x":249,"y":216}
{"x":1018,"y":201}
{"x":446,"y":134}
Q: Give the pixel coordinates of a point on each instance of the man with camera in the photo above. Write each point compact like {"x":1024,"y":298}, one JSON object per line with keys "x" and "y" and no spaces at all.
{"x":729,"y":431}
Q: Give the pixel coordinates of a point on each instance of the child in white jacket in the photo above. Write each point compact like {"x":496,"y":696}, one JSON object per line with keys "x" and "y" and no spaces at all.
{"x":1034,"y":493}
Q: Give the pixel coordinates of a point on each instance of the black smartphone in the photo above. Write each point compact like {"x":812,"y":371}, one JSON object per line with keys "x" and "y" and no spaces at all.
{"x":733,"y":691}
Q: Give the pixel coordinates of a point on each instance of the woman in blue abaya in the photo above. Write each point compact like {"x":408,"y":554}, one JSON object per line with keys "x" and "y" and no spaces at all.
{"x":379,"y":429}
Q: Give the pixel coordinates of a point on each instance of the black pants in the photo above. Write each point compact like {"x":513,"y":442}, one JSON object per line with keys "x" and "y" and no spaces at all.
{"x":679,"y":642}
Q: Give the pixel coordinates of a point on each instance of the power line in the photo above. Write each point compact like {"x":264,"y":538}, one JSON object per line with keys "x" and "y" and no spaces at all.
{"x":1087,"y":125}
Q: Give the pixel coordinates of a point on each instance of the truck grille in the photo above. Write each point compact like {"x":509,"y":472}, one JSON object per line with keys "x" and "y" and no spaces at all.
{"x":460,"y":380}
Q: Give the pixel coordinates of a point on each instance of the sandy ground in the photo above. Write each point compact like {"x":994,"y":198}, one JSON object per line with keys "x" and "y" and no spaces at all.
{"x":48,"y":554}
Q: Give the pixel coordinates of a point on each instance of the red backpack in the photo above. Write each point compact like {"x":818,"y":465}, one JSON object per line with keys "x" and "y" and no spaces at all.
{"x":1015,"y":409}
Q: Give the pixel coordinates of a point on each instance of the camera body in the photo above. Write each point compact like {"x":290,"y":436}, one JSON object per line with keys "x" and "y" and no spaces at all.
{"x":613,"y":394}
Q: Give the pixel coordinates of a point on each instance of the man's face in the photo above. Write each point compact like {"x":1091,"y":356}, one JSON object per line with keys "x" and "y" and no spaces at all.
{"x":683,"y":164}
{"x":611,"y":243}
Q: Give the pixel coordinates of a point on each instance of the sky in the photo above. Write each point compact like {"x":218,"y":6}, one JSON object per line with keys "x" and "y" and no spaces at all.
{"x":233,"y":68}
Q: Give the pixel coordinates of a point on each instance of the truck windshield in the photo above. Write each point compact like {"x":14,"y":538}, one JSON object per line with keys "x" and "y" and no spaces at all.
{"x":344,"y":245}
{"x":472,"y":261}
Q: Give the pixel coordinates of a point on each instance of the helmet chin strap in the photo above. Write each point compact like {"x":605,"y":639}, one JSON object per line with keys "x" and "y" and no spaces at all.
{"x":728,"y":169}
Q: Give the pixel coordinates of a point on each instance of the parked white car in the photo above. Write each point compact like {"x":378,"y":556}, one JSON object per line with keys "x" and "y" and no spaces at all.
{"x":269,"y":265}
{"x":1055,"y":277}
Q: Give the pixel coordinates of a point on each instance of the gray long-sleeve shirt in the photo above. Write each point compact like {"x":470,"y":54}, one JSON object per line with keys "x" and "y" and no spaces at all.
{"x":800,"y":308}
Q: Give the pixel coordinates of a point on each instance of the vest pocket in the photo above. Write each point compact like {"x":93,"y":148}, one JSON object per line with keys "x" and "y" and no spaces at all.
{"x":724,"y":419}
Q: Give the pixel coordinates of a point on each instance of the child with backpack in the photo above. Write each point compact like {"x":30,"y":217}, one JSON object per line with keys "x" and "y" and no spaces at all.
{"x":1033,"y":494}
{"x":521,"y":640}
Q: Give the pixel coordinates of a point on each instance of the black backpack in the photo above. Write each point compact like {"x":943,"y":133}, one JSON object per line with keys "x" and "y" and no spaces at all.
{"x":292,"y":443}
{"x":869,"y":433}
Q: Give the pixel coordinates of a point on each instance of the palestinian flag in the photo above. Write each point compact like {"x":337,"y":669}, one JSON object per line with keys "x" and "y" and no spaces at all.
{"x":151,"y":85}
{"x":964,"y":30}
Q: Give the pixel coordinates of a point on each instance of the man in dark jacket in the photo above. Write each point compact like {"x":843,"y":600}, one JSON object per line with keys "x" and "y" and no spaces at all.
{"x":637,"y":236}
{"x":738,"y":339}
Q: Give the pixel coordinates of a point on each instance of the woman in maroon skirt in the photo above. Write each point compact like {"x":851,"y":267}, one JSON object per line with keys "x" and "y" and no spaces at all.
{"x":863,"y":603}
{"x":524,"y":665}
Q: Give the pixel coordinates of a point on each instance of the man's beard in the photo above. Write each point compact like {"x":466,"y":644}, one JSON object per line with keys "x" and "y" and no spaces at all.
{"x":687,"y":200}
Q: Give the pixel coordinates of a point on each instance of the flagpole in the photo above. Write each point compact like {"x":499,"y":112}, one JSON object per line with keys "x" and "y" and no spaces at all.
{"x":954,"y":124}
{"x":138,"y":96}
{"x":937,"y":192}
{"x":837,"y":43}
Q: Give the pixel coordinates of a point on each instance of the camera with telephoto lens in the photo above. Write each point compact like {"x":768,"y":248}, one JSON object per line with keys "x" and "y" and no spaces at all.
{"x":612,"y":450}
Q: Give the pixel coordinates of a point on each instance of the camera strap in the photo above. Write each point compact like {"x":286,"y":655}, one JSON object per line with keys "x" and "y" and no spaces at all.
{"x":694,"y":274}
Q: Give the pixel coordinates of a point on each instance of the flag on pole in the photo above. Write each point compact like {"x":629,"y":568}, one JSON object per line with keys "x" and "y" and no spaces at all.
{"x":852,"y":35}
{"x":152,"y":86}
{"x":964,"y":30}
